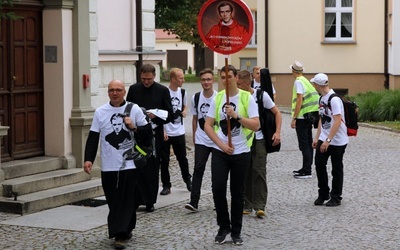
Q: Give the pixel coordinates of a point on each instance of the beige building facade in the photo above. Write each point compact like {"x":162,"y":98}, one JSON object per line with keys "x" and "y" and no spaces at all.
{"x":355,"y":44}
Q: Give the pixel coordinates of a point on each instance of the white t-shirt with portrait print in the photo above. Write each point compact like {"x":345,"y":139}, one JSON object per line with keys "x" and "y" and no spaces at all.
{"x":176,"y":127}
{"x":201,"y":112}
{"x":340,"y":138}
{"x":238,"y":138}
{"x":115,"y":139}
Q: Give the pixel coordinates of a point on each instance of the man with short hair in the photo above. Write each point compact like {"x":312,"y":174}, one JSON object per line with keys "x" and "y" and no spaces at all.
{"x":304,"y":106}
{"x":203,"y":145}
{"x":330,"y":141}
{"x":151,"y":95}
{"x":174,"y":133}
{"x":231,"y":153}
{"x":256,"y":190}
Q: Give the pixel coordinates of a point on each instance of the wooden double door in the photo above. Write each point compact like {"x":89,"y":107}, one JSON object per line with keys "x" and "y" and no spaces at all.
{"x":21,"y":84}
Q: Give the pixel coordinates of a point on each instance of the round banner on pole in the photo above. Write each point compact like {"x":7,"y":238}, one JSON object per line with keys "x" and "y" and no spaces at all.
{"x":225,"y":27}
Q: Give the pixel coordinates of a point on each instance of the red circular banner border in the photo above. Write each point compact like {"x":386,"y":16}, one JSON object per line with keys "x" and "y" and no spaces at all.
{"x":205,"y":10}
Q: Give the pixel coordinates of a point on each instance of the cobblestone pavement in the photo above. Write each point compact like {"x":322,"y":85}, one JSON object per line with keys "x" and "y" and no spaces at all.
{"x":367,"y":219}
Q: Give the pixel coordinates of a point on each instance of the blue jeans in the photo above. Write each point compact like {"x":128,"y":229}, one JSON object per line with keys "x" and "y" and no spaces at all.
{"x":201,"y":154}
{"x":222,"y":165}
{"x":179,"y":146}
{"x":305,"y":139}
{"x":321,"y":159}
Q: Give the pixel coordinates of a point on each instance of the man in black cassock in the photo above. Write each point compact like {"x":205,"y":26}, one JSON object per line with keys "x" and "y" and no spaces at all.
{"x":151,"y":95}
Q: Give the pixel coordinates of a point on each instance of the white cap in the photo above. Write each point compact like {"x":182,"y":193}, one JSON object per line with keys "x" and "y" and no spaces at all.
{"x":320,"y":79}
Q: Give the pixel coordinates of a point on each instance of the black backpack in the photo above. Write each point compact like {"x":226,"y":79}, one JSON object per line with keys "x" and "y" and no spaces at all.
{"x":350,"y":114}
{"x":267,"y":124}
{"x":143,"y":146}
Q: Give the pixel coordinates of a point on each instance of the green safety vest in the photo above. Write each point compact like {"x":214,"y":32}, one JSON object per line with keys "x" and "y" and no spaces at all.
{"x":243,"y":106}
{"x":310,"y":98}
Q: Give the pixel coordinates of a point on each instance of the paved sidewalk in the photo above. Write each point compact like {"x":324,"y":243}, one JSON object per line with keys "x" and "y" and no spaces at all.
{"x":367,"y":219}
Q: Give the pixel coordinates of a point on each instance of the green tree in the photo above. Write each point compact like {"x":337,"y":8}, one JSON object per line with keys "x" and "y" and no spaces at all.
{"x":179,"y":17}
{"x":7,"y":14}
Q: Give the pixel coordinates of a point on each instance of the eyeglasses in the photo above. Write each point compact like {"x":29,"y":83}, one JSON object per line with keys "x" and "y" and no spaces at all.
{"x":146,"y":79}
{"x":206,"y":79}
{"x":115,"y":90}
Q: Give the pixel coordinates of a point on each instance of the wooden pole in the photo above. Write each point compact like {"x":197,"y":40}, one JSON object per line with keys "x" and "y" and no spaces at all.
{"x":227,"y":100}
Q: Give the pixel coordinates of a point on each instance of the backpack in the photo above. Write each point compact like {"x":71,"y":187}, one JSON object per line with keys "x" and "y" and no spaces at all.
{"x":350,"y":114}
{"x":196,"y":100}
{"x":267,"y":124}
{"x":142,"y":147}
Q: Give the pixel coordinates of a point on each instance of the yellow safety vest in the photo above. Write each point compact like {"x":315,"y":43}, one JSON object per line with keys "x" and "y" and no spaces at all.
{"x":243,"y":106}
{"x":310,"y":98}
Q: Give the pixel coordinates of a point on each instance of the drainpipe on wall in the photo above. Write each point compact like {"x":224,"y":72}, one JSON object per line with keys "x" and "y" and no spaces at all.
{"x":139,"y":38}
{"x":386,"y":56}
{"x":266,"y":33}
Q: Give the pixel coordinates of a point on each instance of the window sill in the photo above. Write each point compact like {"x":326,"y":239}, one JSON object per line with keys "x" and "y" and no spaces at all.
{"x":338,"y":42}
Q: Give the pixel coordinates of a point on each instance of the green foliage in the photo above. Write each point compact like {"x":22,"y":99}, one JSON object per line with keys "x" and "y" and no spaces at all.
{"x":7,"y":15}
{"x":379,"y":106}
{"x":179,"y":17}
{"x":191,"y":78}
{"x":190,"y":70}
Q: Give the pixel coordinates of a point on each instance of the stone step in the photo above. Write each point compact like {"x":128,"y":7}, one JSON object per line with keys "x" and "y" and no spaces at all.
{"x":38,"y":182}
{"x":55,"y":197}
{"x":41,"y":164}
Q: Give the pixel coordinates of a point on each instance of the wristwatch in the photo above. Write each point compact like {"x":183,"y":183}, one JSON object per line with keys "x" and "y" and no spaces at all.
{"x":239,"y":117}
{"x":328,"y":140}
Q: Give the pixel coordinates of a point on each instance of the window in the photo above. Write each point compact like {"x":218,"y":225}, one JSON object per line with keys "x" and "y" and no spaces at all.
{"x":339,"y":20}
{"x":253,"y":40}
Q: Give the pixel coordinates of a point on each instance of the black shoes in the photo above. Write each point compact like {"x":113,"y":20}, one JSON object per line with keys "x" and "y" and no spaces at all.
{"x":191,"y":207}
{"x":189,"y":184}
{"x":320,"y":201}
{"x":222,"y":233}
{"x":237,"y":240}
{"x":297,"y":171}
{"x":303,"y":175}
{"x":149,"y":208}
{"x":165,"y":191}
{"x":333,"y":202}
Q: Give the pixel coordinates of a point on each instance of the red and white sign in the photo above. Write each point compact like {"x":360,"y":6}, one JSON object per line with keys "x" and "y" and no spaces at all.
{"x":226,"y":27}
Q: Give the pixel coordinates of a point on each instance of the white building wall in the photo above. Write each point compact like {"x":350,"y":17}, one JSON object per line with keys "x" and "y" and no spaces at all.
{"x":394,"y":47}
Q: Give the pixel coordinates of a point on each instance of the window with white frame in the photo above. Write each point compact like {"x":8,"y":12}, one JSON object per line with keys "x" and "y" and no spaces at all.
{"x":339,"y":20}
{"x":253,"y":40}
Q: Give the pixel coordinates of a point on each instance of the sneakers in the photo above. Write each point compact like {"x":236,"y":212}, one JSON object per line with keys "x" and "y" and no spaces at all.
{"x":247,"y":211}
{"x":260,"y":213}
{"x":302,"y":175}
{"x":165,"y":191}
{"x":222,"y":233}
{"x":333,"y":202}
{"x":320,"y":201}
{"x":189,"y":185}
{"x":237,"y":240}
{"x":191,"y":207}
{"x":297,"y":171}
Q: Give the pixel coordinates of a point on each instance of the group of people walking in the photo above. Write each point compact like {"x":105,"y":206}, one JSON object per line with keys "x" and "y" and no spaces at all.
{"x":225,"y":124}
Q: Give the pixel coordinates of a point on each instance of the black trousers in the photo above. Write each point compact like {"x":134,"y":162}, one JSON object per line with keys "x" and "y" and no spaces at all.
{"x":321,"y":159}
{"x":305,"y":139}
{"x":178,"y":144}
{"x":223,"y":165}
{"x":119,"y":189}
{"x":201,"y":154}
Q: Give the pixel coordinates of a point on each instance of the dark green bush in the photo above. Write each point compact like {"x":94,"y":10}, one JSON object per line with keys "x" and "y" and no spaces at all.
{"x":378,"y":106}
